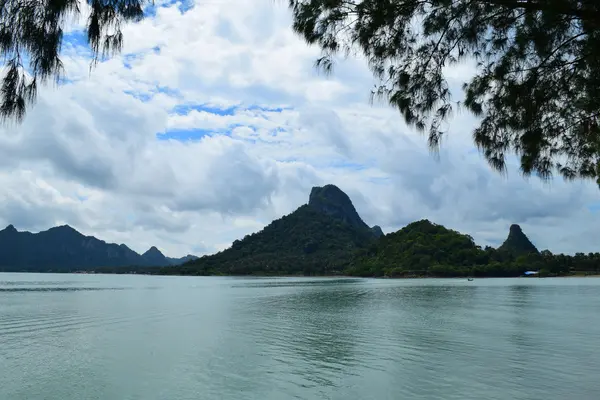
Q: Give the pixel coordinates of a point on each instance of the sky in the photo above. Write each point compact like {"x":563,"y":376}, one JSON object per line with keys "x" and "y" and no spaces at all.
{"x":213,"y":121}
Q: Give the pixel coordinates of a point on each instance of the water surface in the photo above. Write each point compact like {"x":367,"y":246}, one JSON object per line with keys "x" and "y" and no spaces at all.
{"x":72,"y":337}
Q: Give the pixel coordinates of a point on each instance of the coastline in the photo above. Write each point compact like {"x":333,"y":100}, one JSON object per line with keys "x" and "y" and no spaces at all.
{"x":342,"y":276}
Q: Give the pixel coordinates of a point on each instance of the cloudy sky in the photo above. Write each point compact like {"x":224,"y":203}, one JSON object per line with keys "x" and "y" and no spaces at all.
{"x":213,"y":122}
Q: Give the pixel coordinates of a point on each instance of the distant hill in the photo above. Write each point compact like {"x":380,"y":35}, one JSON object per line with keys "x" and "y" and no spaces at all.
{"x":153,"y":256}
{"x":63,"y":248}
{"x":517,"y":243}
{"x":420,"y":248}
{"x":181,"y":260}
{"x":318,"y":238}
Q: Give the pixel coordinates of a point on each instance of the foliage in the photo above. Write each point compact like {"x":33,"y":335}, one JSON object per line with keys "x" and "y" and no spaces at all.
{"x":305,"y":242}
{"x":426,"y":249}
{"x":420,"y":248}
{"x":31,"y":32}
{"x":536,"y":87}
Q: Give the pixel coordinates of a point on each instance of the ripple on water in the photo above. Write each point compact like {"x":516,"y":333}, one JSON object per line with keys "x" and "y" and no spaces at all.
{"x":300,"y":338}
{"x":57,"y":289}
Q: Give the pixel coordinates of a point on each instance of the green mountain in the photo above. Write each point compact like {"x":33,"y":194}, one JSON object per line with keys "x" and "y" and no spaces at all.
{"x":420,"y":248}
{"x":517,"y":243}
{"x":63,"y":248}
{"x":318,"y":238}
{"x":330,"y":200}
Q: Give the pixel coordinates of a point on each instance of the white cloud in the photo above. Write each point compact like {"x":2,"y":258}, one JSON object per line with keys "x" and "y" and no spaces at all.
{"x":127,"y":154}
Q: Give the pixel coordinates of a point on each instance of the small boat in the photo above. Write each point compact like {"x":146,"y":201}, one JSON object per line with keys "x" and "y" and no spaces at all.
{"x":469,"y":279}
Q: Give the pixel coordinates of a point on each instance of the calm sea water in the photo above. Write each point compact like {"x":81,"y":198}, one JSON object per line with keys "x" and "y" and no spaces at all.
{"x":141,"y":337}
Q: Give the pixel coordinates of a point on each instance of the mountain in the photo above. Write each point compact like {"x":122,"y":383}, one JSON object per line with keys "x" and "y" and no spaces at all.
{"x":377,"y":232}
{"x":420,"y":248}
{"x":318,"y":238}
{"x":184,"y":259}
{"x":517,"y":243}
{"x":63,"y":248}
{"x":331,"y":200}
{"x":153,"y":256}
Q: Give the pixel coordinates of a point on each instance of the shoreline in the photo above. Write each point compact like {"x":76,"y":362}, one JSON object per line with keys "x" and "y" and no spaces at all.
{"x":594,"y":275}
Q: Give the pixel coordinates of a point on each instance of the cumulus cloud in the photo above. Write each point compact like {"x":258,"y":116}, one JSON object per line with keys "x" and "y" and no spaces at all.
{"x":213,"y":122}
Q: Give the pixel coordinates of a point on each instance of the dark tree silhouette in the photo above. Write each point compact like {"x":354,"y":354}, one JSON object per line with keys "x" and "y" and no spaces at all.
{"x":31,"y":34}
{"x":537,"y":85}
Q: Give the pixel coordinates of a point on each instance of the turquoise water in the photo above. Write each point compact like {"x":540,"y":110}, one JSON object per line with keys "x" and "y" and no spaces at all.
{"x":142,"y":337}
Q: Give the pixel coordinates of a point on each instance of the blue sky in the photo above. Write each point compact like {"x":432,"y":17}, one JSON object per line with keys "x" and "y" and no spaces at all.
{"x":195,"y":133}
{"x":213,"y":121}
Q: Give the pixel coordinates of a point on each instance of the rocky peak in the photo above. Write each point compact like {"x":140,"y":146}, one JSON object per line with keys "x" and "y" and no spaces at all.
{"x":153,"y":256}
{"x":517,"y":242}
{"x":152,"y":252}
{"x":332,"y":201}
{"x":515,"y":230}
{"x":11,"y":228}
{"x":377,"y":232}
{"x":65,"y":232}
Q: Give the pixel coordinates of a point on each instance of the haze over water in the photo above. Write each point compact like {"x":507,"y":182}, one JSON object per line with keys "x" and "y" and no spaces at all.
{"x":142,"y":337}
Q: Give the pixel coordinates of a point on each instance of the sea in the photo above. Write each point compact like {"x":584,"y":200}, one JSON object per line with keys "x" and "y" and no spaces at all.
{"x":125,"y":337}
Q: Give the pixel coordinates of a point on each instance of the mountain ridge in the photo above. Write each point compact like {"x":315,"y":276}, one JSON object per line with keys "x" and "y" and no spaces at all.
{"x":325,"y":236}
{"x":64,"y":248}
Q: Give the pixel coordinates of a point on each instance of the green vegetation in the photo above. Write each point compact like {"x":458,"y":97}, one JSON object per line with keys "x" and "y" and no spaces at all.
{"x":310,"y":243}
{"x":32,"y":31}
{"x":305,"y":242}
{"x":497,"y":264}
{"x":426,"y":249}
{"x":535,"y":85}
{"x":420,"y":248}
